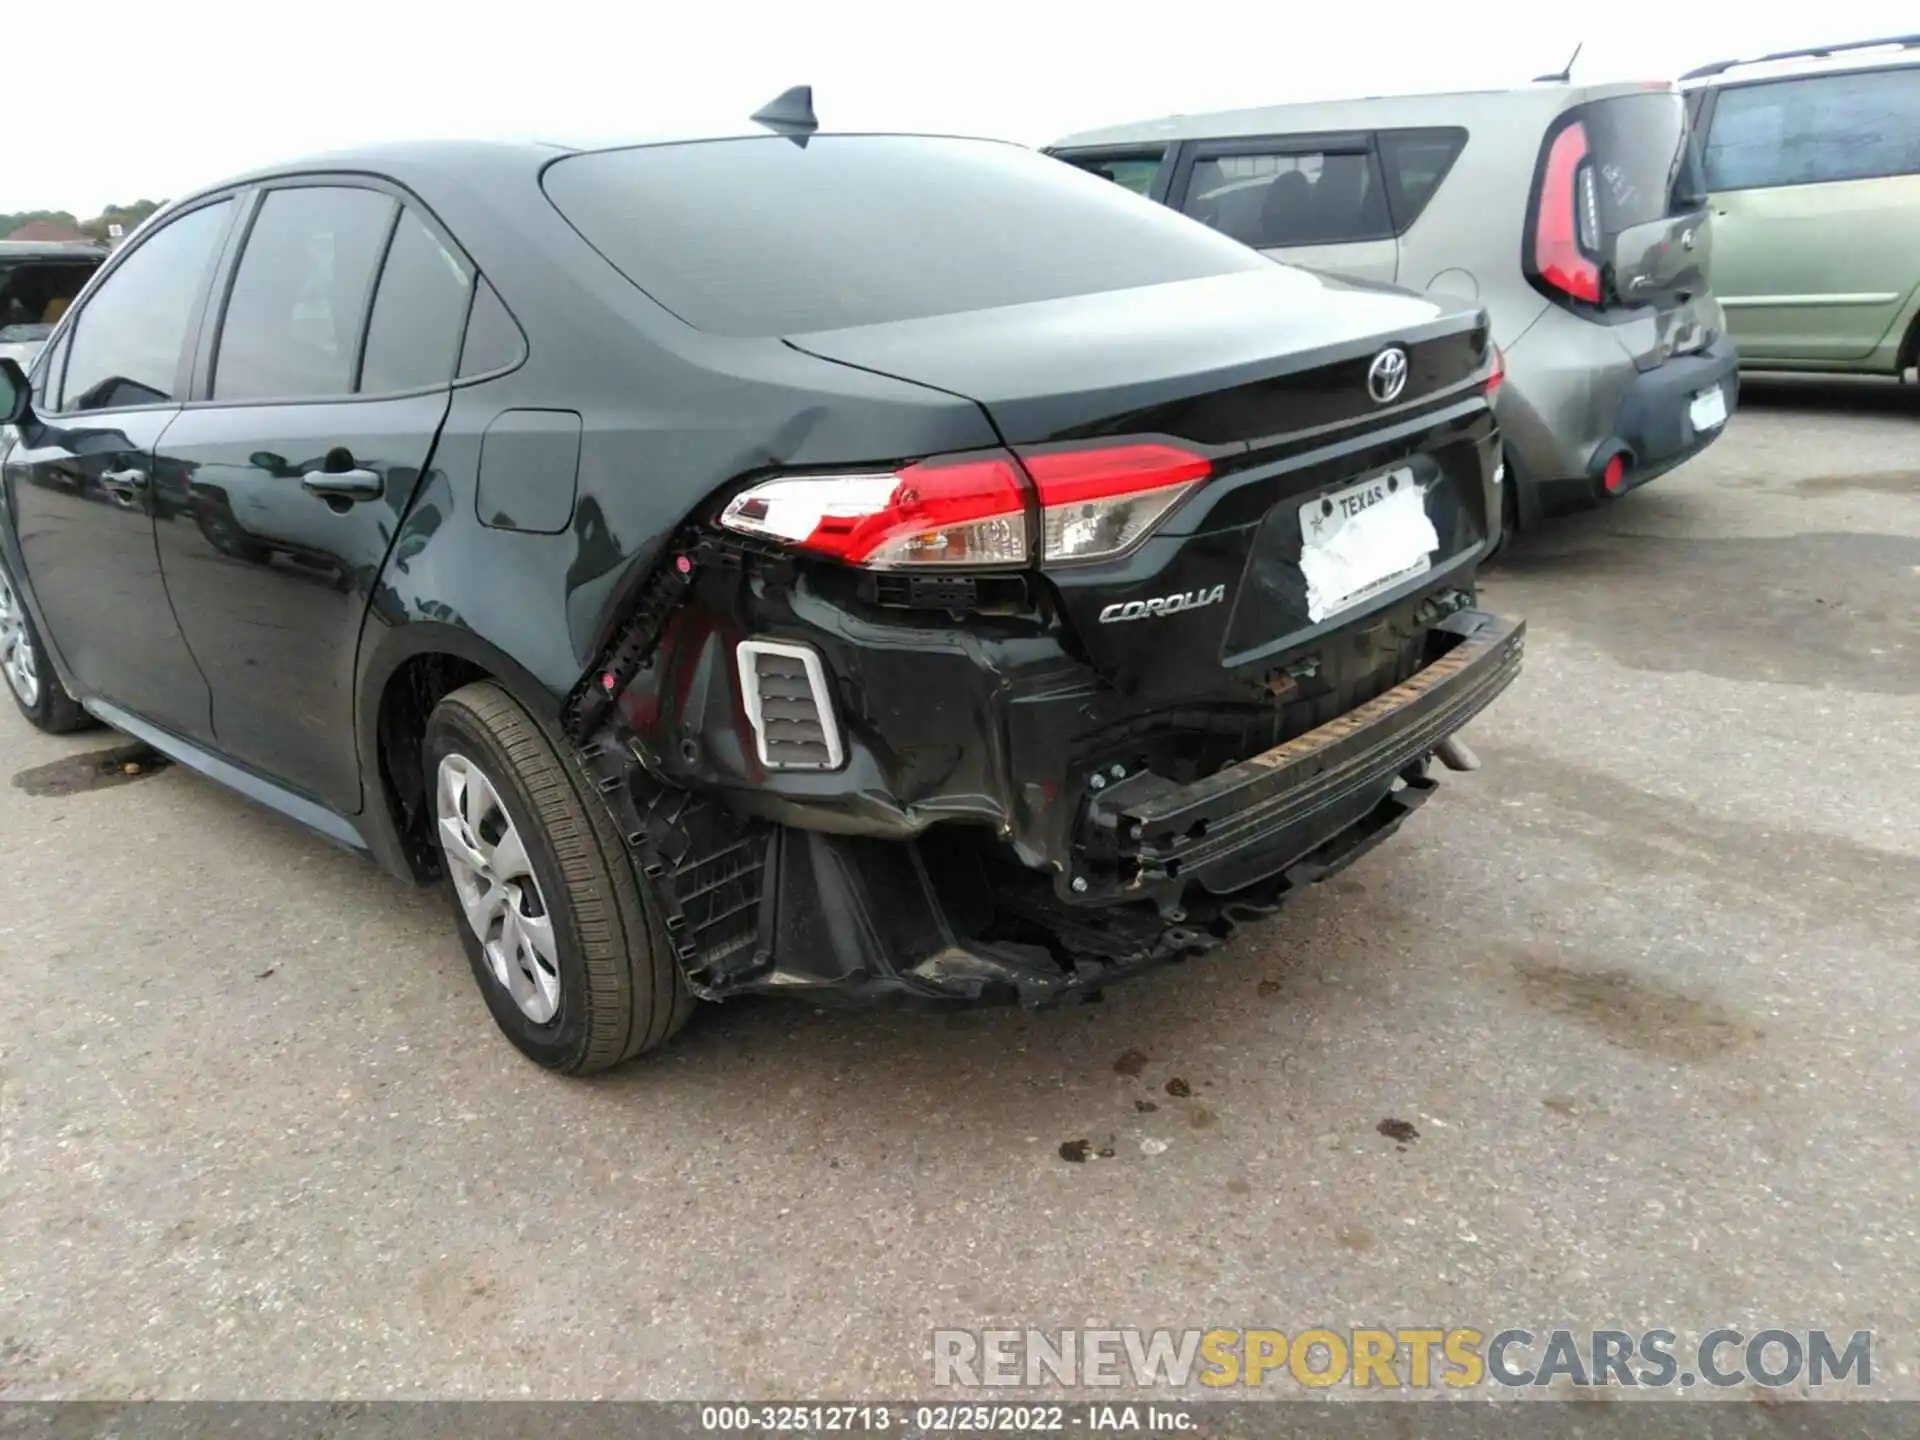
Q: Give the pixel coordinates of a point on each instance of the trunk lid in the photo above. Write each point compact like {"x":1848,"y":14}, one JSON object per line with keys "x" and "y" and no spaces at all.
{"x":1233,"y":359}
{"x":1333,"y":497}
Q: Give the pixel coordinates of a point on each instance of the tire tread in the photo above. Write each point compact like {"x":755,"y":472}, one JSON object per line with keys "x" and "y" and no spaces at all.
{"x":637,"y":998}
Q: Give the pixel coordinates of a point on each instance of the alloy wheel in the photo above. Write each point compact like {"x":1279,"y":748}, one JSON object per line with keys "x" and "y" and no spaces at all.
{"x":494,"y":881}
{"x":16,"y":647}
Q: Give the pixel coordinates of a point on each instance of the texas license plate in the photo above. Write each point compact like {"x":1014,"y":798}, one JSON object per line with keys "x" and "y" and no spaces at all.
{"x":1364,"y":540}
{"x":1708,"y":410}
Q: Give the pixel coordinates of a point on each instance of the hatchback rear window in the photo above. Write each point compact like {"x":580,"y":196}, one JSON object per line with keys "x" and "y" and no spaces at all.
{"x":766,"y":237}
{"x":1644,"y":158}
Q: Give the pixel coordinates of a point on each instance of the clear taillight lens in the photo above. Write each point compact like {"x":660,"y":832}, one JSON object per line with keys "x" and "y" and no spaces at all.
{"x":972,"y":510}
{"x":1096,"y":504}
{"x":969,"y":510}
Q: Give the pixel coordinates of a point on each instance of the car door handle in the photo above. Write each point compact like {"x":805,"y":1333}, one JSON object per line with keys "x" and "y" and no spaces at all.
{"x":344,"y":484}
{"x":124,"y":482}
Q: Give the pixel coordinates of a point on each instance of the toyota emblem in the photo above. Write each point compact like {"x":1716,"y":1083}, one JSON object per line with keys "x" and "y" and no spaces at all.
{"x":1387,"y":376}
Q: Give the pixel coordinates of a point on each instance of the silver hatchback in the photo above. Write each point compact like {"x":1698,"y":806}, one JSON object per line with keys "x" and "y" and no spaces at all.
{"x":1574,"y":214}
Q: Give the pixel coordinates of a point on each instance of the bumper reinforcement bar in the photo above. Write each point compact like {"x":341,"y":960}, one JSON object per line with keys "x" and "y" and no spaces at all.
{"x":1254,"y":818}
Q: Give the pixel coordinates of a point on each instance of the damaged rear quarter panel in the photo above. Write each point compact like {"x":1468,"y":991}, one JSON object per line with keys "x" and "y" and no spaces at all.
{"x":671,"y":418}
{"x":922,"y":704}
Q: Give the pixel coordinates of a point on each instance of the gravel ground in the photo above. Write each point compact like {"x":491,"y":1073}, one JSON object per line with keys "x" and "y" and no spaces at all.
{"x":1641,"y":993}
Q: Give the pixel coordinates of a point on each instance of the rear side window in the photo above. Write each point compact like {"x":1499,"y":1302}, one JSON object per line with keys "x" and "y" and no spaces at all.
{"x":293,"y":320}
{"x":1415,"y":162}
{"x":1275,"y":200}
{"x":413,"y":337}
{"x":766,"y":237}
{"x":1129,"y":172}
{"x":128,"y":341}
{"x":1859,"y":126}
{"x":493,"y":341}
{"x":1643,"y":157}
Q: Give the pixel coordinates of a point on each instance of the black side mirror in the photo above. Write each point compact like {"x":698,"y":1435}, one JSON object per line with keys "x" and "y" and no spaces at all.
{"x":16,"y":395}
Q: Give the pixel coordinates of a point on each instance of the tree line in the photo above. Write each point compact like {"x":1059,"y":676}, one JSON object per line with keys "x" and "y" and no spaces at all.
{"x":96,"y":228}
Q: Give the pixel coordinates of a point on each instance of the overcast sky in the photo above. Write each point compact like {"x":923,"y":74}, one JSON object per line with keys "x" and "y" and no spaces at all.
{"x":122,"y":100}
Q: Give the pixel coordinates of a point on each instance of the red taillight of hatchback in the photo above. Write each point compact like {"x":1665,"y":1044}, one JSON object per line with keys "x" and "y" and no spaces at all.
{"x":1565,"y":225}
{"x":1093,"y":503}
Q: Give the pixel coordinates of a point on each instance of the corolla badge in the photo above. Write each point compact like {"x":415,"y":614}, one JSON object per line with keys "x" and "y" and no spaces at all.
{"x":1387,"y":376}
{"x":1162,"y":605}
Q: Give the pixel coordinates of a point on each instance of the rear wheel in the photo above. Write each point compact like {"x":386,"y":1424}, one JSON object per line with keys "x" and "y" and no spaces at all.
{"x":562,"y":939}
{"x":29,"y":675}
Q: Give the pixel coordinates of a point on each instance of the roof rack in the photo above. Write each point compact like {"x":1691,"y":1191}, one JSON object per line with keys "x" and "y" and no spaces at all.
{"x":1817,"y":52}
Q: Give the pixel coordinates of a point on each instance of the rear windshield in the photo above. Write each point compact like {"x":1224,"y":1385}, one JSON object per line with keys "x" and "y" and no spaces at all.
{"x":1643,"y":153}
{"x":766,"y":237}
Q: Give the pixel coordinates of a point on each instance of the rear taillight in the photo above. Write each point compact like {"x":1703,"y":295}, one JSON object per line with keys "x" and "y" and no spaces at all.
{"x":1094,"y":503}
{"x":1566,"y":219}
{"x":967,"y":510}
{"x":1497,"y":374}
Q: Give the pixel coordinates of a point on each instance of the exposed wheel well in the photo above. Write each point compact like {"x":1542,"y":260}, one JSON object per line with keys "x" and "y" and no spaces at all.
{"x":1909,"y":348}
{"x":409,"y":697}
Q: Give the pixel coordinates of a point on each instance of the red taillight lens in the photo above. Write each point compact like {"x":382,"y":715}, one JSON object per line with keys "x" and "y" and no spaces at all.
{"x":1095,"y":502}
{"x":1497,"y":375}
{"x":1566,"y":223}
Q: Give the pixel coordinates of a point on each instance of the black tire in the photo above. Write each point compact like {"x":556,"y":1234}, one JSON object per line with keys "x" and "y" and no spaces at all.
{"x":53,"y":709}
{"x":620,"y":989}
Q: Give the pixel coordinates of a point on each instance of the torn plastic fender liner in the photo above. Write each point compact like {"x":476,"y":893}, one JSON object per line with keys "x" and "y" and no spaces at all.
{"x":752,"y":907}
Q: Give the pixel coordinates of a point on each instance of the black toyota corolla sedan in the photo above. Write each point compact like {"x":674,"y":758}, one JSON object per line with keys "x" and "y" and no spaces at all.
{"x":868,"y":567}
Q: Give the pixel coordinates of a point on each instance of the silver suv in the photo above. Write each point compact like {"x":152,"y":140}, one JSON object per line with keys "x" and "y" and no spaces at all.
{"x":1573,"y":213}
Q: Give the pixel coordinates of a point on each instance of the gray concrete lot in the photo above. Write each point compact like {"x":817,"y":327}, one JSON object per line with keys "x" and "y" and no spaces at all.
{"x":1645,"y":987}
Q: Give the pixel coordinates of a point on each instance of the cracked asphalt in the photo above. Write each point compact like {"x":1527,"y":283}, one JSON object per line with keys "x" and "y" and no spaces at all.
{"x":1619,"y":1031}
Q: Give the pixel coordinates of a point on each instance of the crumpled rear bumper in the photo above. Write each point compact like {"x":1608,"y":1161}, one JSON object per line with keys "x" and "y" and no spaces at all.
{"x":1160,"y":871}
